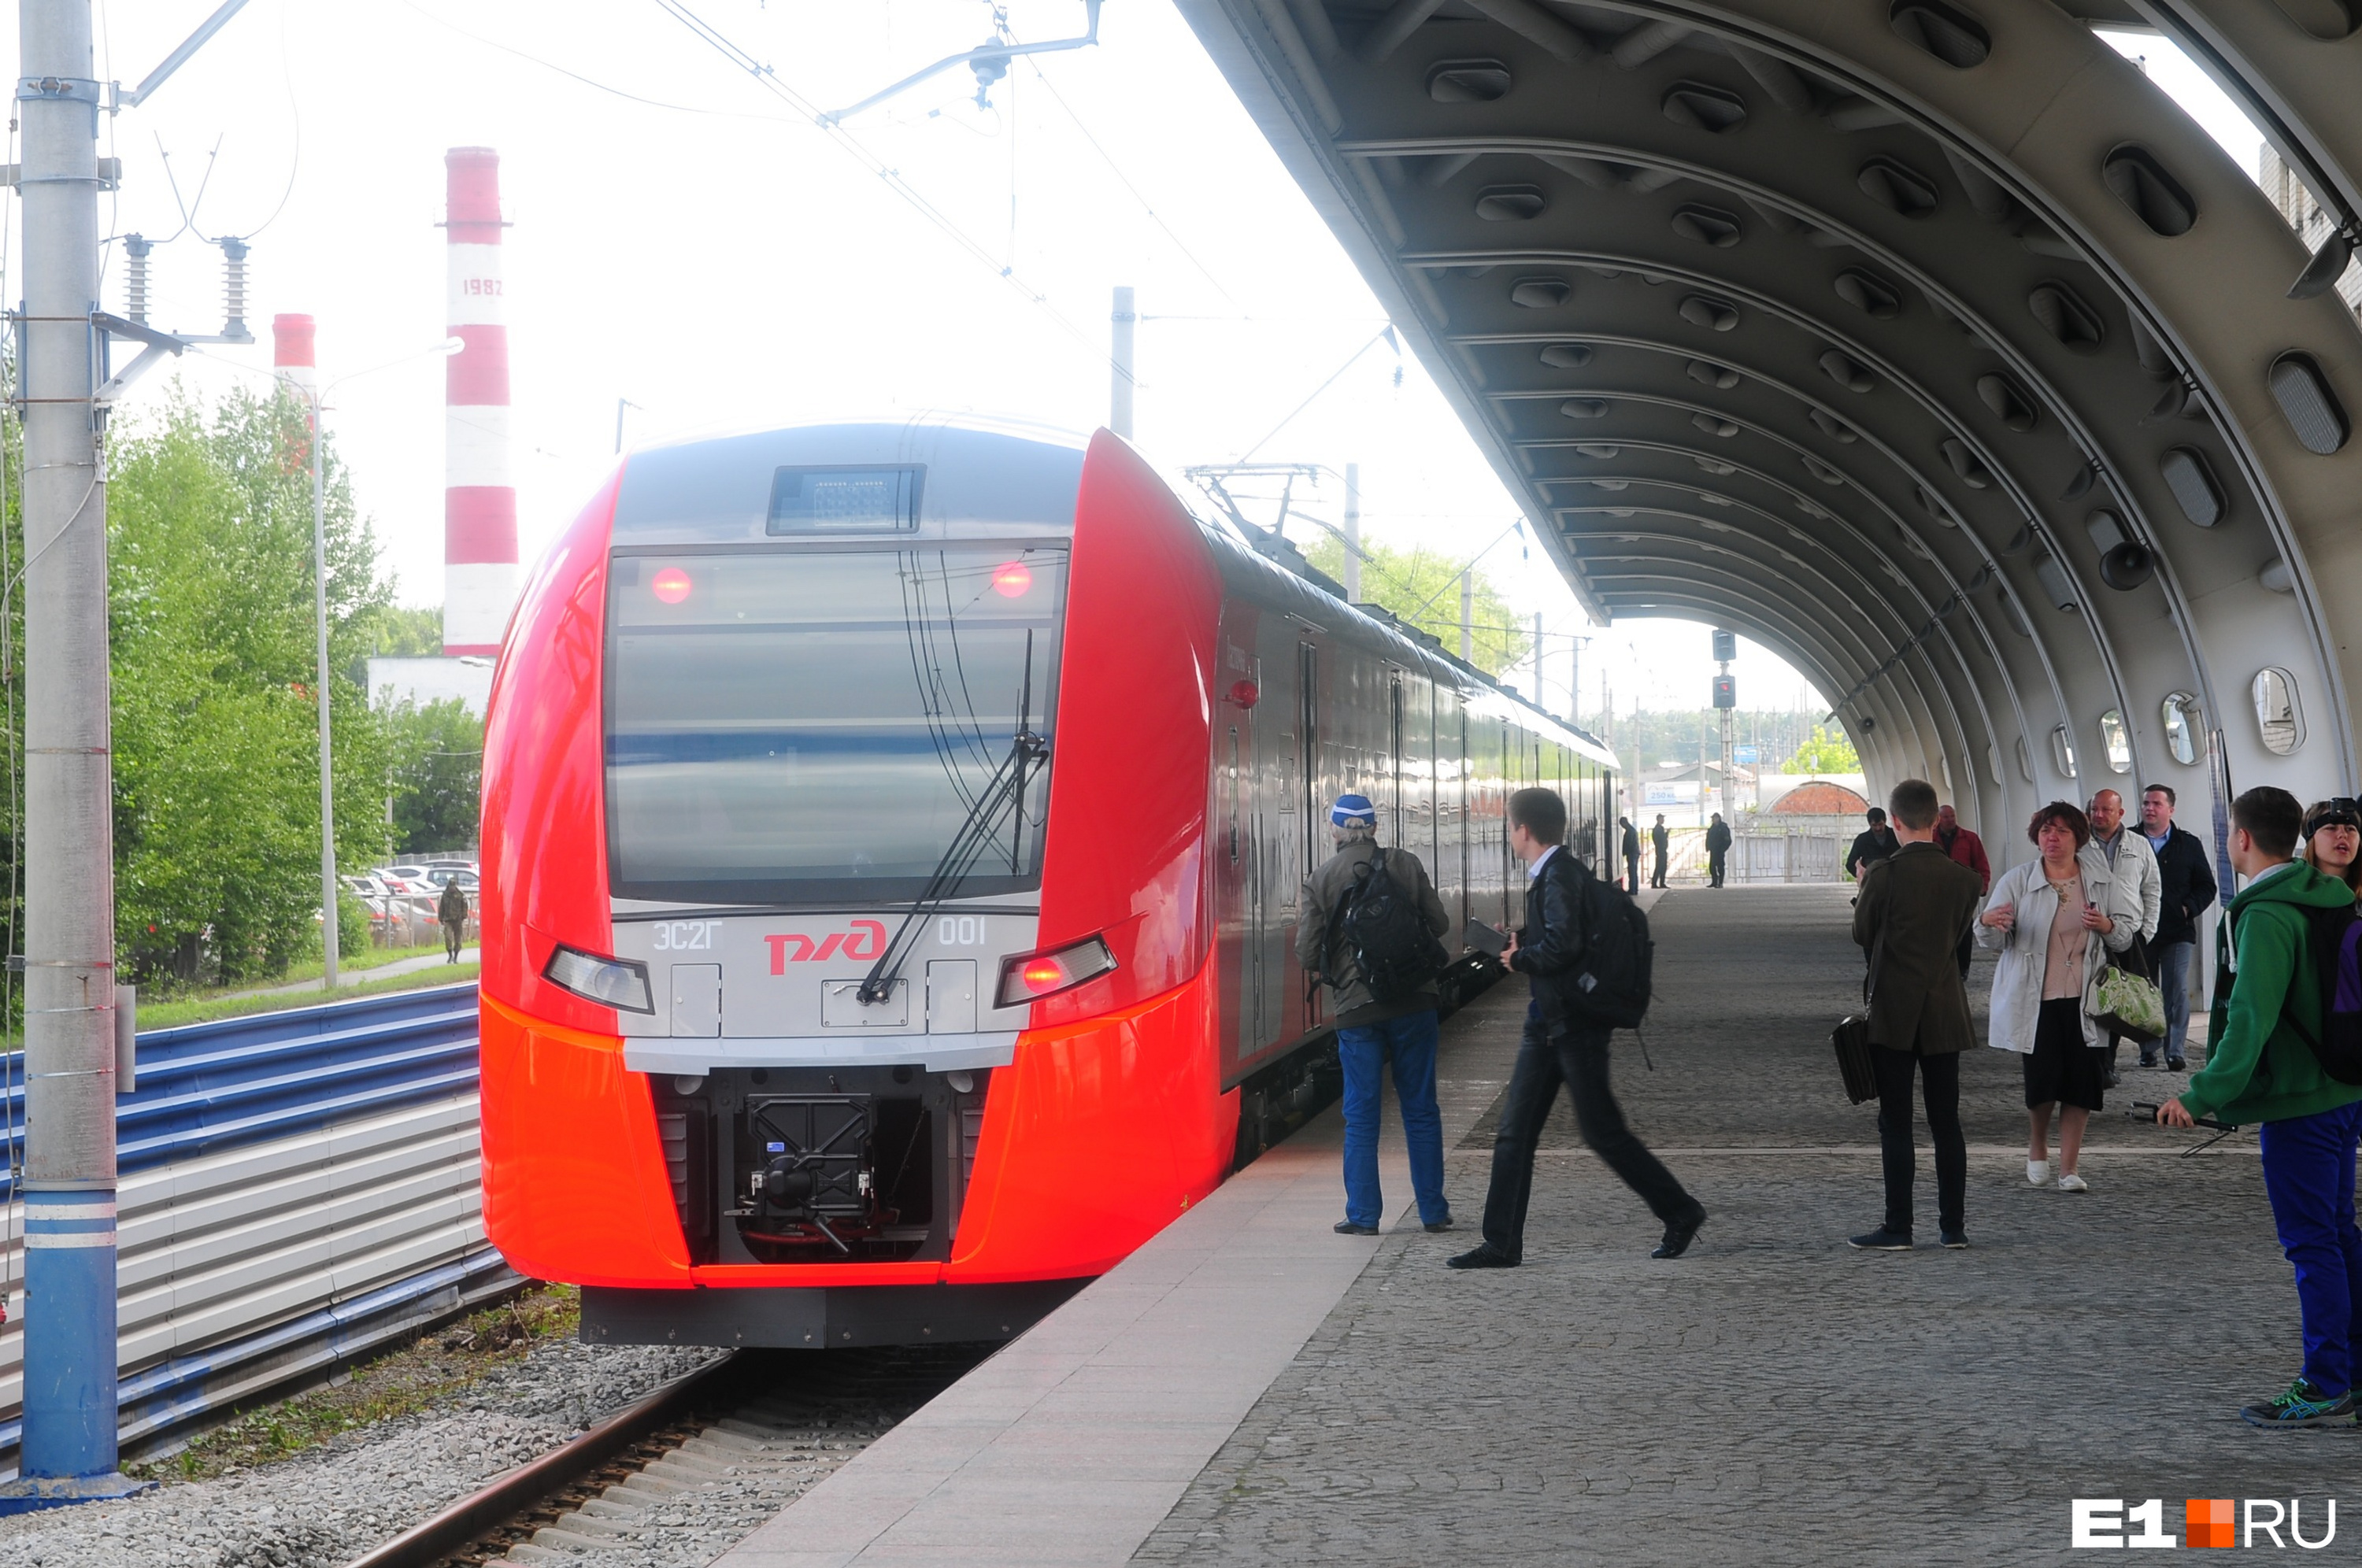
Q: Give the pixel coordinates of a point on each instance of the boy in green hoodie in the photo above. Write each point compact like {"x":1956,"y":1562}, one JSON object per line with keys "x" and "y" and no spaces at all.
{"x":2259,"y":1069}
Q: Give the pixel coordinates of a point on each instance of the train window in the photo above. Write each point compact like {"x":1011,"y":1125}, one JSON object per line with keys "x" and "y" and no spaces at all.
{"x":804,"y":727}
{"x":825,"y":500}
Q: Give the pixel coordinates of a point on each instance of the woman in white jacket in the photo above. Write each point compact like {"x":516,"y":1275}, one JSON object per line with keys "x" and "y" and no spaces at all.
{"x":2054,"y":921}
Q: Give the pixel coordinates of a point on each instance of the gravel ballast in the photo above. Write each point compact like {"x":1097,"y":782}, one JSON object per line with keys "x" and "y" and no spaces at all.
{"x":323,"y":1507}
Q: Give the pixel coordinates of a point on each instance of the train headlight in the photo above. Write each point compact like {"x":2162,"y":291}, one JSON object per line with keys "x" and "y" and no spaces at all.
{"x":1037,"y":975}
{"x":610,"y":982}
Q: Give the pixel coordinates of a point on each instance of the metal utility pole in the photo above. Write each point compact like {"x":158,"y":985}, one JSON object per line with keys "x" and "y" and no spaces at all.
{"x":1468,"y":616}
{"x":329,"y":902}
{"x":1124,"y":320}
{"x":69,"y":1448}
{"x":1352,"y":533}
{"x":1725,"y":702}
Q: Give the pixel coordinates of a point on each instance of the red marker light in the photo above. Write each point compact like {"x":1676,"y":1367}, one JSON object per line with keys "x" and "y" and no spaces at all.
{"x":1245,"y":693}
{"x":1044,"y":974}
{"x":671,"y":585}
{"x":1012,"y":580}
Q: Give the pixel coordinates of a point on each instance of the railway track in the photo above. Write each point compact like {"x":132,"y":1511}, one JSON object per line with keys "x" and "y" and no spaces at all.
{"x":689,"y":1468}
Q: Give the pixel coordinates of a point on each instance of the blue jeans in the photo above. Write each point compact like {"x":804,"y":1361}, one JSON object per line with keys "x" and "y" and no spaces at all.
{"x":2172,"y":962}
{"x":1362,"y":1051}
{"x":2309,"y":1176}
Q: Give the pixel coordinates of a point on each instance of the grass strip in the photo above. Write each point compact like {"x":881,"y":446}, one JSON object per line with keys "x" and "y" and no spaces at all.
{"x":204,"y":1009}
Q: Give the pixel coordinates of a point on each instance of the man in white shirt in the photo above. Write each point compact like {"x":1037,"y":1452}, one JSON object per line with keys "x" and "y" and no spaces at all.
{"x":2130,"y":857}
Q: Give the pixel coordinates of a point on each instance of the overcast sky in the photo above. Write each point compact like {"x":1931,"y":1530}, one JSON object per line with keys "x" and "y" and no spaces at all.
{"x":686,"y":238}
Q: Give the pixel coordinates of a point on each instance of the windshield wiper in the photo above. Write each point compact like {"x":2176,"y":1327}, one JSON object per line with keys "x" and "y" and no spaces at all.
{"x":1002,"y":792}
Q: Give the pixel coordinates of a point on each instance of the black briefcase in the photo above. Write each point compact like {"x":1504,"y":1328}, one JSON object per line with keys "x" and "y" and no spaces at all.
{"x":1851,"y":1038}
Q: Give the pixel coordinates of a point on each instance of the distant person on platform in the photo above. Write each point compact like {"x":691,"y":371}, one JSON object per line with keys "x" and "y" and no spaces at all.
{"x":2185,"y":891}
{"x":1369,"y":1031}
{"x":1658,"y":838}
{"x":1717,"y":845}
{"x":1563,"y":1043}
{"x":1631,"y":847}
{"x":451,"y":909}
{"x":1968,"y":849}
{"x":1914,"y":906}
{"x":1873,"y":844}
{"x":2135,"y":864}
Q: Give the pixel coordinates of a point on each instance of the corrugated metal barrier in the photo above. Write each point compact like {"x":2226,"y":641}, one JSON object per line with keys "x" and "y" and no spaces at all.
{"x":296,"y":1188}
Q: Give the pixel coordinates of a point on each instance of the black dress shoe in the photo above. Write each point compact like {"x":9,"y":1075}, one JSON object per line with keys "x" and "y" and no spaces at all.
{"x":2176,"y":1065}
{"x":1678,"y":1234}
{"x":1440,"y":1225}
{"x":1485,"y":1256}
{"x":1347,"y":1228}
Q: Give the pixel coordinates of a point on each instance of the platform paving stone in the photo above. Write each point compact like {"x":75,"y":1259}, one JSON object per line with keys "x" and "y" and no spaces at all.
{"x":1776,"y":1397}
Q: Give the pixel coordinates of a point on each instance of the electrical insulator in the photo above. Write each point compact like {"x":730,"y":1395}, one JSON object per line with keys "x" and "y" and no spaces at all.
{"x":234,"y":289}
{"x":135,"y":251}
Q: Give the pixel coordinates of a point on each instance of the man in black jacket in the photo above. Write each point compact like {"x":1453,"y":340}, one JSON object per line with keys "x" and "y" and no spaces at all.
{"x":2189,"y":888}
{"x":1873,"y":844}
{"x":1631,"y":847}
{"x":1718,"y":845}
{"x":1563,"y":1044}
{"x":1662,"y":841}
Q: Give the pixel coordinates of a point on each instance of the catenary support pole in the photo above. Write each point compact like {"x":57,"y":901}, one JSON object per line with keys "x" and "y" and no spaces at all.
{"x":1352,"y":533}
{"x":1122,"y":322}
{"x":69,"y":1445}
{"x":327,"y":764}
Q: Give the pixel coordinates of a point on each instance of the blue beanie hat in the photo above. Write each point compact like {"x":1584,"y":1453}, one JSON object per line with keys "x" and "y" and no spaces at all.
{"x":1353,"y":810}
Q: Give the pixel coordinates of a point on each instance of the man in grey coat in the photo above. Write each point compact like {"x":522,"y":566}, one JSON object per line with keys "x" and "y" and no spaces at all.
{"x":1913,"y":907}
{"x":1369,"y":1031}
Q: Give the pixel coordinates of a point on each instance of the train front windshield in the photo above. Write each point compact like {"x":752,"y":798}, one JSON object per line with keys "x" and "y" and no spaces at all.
{"x":801,"y":727}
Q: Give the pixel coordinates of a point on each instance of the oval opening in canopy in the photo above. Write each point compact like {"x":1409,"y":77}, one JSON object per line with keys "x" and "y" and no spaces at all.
{"x":2313,"y":410}
{"x":2136,"y":177}
{"x":2279,"y":721}
{"x":2180,"y":712}
{"x":1945,"y":31}
{"x":1701,"y":107}
{"x":1469,"y":82}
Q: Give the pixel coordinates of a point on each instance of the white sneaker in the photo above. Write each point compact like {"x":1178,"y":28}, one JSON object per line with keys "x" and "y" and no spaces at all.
{"x":2038,"y":1173}
{"x":2070,"y":1182}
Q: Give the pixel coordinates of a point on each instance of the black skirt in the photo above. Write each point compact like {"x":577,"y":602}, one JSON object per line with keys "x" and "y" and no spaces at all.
{"x":2062,"y":1067}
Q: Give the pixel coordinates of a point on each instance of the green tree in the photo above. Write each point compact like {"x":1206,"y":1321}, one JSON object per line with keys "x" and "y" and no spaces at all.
{"x":217,"y":761}
{"x":404,"y":631}
{"x":1423,"y":589}
{"x":437,"y":758}
{"x":1825,"y":753}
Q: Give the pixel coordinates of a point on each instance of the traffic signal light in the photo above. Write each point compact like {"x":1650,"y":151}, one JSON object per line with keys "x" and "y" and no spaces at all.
{"x":1726,"y":691}
{"x":1726,"y":646}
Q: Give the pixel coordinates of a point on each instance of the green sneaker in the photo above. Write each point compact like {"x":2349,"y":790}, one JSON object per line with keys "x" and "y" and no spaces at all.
{"x":2302,"y":1406}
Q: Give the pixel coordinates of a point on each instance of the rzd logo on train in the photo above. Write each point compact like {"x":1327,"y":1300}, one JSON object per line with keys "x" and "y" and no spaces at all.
{"x":866,"y":940}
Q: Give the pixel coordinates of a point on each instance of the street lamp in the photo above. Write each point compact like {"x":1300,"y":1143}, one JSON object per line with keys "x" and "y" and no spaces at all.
{"x":316,"y":398}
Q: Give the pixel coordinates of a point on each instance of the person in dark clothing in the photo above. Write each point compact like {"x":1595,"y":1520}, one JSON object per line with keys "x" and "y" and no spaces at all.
{"x":2187,"y":890}
{"x":451,"y":909}
{"x":1369,"y":1032}
{"x":1717,"y":845}
{"x":1969,"y":850}
{"x":1913,"y":906}
{"x":1875,"y":842}
{"x":1563,"y":1044}
{"x":1658,"y":836}
{"x":1631,"y":847}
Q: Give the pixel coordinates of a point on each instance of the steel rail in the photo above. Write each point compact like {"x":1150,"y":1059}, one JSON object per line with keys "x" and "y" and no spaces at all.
{"x":423,"y":1545}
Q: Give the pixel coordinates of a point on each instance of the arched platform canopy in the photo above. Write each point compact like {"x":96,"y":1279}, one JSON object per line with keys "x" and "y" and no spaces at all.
{"x":1923,"y":340}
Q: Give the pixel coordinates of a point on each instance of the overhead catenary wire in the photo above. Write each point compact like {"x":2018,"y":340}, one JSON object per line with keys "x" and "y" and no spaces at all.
{"x":891,"y":177}
{"x":1384,"y":335}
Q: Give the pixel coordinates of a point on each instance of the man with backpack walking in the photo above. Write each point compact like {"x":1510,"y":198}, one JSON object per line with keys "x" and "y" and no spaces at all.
{"x":2279,"y":1053}
{"x":1586,"y":947}
{"x":1368,"y":931}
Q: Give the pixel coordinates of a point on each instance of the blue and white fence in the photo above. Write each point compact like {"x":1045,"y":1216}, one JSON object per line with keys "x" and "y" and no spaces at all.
{"x":295,"y":1188}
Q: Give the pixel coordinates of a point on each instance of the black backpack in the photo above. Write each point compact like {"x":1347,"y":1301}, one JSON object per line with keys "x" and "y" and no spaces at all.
{"x":2336,"y":949}
{"x":1386,"y":933}
{"x":1610,"y":982}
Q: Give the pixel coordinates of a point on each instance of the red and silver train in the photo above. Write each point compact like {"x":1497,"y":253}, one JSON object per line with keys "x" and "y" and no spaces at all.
{"x":892,"y":841}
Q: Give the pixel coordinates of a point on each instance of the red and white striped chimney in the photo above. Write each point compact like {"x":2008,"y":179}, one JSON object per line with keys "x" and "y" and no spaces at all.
{"x":292,"y":357}
{"x":480,"y":535}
